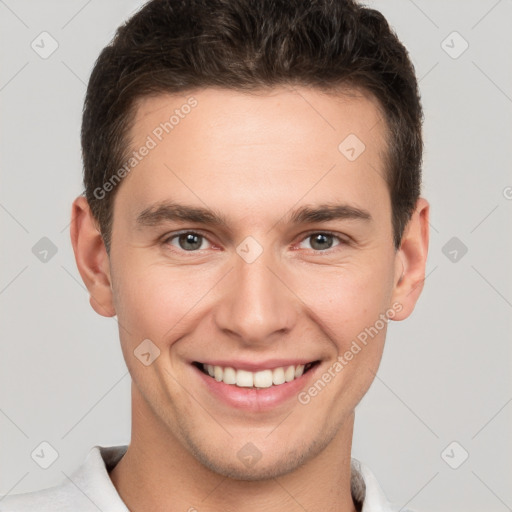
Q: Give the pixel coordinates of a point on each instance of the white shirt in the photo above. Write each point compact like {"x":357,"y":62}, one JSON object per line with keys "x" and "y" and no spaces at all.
{"x":90,"y":488}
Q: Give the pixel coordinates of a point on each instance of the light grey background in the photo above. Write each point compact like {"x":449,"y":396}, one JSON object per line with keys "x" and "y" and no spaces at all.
{"x":446,"y":371}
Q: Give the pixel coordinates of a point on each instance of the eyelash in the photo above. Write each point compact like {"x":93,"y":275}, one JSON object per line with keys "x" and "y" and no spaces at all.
{"x":342,"y":241}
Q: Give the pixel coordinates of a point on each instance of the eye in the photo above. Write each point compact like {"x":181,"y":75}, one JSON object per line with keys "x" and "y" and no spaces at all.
{"x":323,"y":241}
{"x":189,"y":241}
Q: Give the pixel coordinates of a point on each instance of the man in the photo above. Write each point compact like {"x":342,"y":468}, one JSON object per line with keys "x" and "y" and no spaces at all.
{"x":252,"y":216}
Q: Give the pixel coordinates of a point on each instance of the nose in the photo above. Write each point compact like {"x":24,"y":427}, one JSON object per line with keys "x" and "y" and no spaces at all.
{"x":256,"y":304}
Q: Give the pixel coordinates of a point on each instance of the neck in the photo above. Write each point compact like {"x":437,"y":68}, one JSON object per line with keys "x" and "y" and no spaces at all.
{"x":158,"y":473}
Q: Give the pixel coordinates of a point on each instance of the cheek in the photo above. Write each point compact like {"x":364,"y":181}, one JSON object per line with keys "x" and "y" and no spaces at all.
{"x":345,"y":301}
{"x":153,"y":301}
{"x":347,"y":305}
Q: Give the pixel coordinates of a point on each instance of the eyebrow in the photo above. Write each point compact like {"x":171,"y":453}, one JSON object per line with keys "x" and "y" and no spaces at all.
{"x":326,"y":212}
{"x":169,"y":211}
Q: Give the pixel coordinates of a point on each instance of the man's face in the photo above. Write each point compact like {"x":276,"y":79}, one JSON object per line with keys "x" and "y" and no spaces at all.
{"x":263,"y":289}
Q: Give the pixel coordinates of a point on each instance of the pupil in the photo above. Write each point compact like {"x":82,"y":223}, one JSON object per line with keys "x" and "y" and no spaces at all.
{"x":190,"y":238}
{"x":321,"y":238}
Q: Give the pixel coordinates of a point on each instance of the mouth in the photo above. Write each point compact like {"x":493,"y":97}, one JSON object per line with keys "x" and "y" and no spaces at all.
{"x":261,"y":379}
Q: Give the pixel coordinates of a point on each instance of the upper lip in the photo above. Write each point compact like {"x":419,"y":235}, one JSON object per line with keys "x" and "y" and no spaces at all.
{"x":253,"y":366}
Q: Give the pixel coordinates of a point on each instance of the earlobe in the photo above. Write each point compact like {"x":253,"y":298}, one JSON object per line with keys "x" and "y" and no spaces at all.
{"x":411,"y":260}
{"x":91,"y":257}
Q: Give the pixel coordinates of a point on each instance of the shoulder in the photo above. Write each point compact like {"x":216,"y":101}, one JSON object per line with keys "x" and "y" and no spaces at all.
{"x":88,"y":489}
{"x":60,"y":498}
{"x":367,"y":492}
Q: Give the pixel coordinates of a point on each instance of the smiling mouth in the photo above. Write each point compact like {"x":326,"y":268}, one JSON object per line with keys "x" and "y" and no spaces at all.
{"x":259,"y":379}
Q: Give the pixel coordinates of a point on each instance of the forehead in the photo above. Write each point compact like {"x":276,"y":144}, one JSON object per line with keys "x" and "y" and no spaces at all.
{"x":306,"y":113}
{"x":217,"y":143}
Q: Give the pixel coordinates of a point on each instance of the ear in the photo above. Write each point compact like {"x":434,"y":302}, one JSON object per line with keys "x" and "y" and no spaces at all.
{"x":91,"y":257}
{"x":411,"y":260}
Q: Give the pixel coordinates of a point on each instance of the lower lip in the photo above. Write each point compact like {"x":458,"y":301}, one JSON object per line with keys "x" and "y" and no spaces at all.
{"x":255,"y":399}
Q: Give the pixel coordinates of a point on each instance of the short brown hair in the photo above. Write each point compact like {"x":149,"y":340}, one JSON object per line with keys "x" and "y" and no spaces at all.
{"x":174,"y":46}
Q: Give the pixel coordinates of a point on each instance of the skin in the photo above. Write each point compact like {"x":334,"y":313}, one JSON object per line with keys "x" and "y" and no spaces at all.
{"x":254,"y":158}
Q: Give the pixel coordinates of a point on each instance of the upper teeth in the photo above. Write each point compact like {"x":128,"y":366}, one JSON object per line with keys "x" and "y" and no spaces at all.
{"x":261,"y":379}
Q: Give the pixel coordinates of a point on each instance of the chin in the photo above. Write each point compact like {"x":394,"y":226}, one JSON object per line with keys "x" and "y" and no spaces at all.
{"x":260,"y":471}
{"x":267,"y":467}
